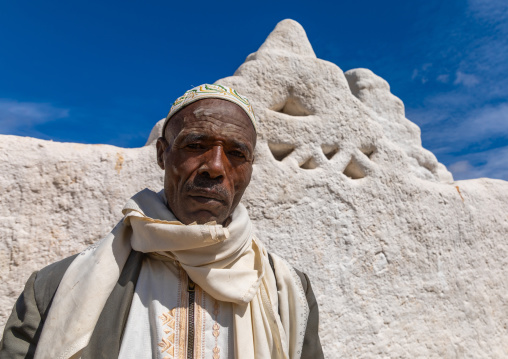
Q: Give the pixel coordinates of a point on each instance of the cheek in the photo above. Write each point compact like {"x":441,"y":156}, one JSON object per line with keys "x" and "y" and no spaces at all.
{"x":179,"y":170}
{"x":242,"y":177}
{"x":172,"y":173}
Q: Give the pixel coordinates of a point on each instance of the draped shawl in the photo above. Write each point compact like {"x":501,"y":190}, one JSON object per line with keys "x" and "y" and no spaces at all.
{"x":229,"y":263}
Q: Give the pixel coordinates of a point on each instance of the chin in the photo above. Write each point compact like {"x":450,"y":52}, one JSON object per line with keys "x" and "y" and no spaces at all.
{"x":204,"y":216}
{"x":204,"y":211}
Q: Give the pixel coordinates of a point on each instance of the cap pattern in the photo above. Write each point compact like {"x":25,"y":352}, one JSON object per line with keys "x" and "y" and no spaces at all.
{"x":211,"y":91}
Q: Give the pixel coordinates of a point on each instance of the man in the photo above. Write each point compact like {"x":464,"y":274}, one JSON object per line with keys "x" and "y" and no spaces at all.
{"x":182,"y":275}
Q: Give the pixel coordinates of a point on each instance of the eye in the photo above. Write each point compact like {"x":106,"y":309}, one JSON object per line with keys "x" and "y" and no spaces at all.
{"x":194,"y":146}
{"x":237,"y":153}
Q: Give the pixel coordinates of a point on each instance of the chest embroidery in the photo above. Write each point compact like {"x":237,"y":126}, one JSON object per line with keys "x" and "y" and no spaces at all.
{"x":168,"y":343}
{"x":176,"y":326}
{"x":216,"y":330}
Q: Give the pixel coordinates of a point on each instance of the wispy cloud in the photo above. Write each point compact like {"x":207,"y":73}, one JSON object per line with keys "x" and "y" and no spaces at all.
{"x":491,"y":164}
{"x":421,"y":74}
{"x":465,"y":79}
{"x":464,"y":117}
{"x":487,"y":51}
{"x":477,"y":128}
{"x":443,"y":78}
{"x":492,"y":10}
{"x":20,"y":118}
{"x":480,"y":125}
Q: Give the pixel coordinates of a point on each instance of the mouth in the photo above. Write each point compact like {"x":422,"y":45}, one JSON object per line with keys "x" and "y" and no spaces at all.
{"x":206,"y":196}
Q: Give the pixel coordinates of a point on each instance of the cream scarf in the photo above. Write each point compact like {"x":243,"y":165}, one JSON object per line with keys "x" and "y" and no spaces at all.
{"x":229,"y":263}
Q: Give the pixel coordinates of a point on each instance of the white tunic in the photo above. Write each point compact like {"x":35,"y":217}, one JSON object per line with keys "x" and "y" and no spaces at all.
{"x":157,"y":326}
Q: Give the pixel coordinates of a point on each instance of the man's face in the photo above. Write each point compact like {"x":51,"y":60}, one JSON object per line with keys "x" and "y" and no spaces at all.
{"x":207,"y":153}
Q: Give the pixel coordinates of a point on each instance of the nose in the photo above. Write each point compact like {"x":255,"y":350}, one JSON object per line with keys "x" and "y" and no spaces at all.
{"x":214,"y":162}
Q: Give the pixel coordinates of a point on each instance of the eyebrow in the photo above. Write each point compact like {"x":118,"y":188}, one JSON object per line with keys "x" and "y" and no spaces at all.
{"x":191,"y":137}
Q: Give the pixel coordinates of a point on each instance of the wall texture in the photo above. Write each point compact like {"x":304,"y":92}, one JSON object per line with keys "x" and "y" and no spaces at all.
{"x":404,"y":261}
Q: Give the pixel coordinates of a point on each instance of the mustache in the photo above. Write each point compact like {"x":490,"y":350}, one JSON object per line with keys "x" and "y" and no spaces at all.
{"x":201,"y":183}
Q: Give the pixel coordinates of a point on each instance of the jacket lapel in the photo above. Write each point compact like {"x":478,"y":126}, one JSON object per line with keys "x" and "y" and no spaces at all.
{"x":107,"y":335}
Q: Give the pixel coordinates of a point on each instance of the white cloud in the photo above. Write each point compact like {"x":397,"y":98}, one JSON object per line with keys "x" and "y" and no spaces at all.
{"x":422,"y":73}
{"x":490,"y":164}
{"x":18,"y":118}
{"x":465,"y":115}
{"x":467,"y":80}
{"x":426,"y":116}
{"x":487,"y":54}
{"x":484,"y":123}
{"x":480,"y":125}
{"x":494,"y":10}
{"x":444,"y":78}
{"x":415,"y":74}
{"x":479,"y":129}
{"x":461,"y":169}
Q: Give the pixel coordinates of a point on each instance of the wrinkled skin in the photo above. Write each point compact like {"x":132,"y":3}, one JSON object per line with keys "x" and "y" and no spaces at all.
{"x":207,"y":154}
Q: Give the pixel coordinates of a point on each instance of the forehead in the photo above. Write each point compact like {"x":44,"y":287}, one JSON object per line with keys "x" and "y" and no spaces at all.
{"x":214,"y":118}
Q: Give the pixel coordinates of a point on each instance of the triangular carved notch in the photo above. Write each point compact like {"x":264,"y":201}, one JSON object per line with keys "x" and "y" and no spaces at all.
{"x":310,"y":164}
{"x":330,"y":150}
{"x":353,"y":170}
{"x":368,"y":151}
{"x":280,"y":150}
{"x":292,"y":107}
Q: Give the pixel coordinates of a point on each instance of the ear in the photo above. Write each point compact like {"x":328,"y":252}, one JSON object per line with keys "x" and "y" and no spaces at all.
{"x":161,"y":145}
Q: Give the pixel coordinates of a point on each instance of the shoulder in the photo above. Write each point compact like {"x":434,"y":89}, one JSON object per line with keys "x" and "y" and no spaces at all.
{"x":311,"y":344}
{"x":311,"y":348}
{"x":47,"y":281}
{"x":304,"y":279}
{"x":25,"y":323}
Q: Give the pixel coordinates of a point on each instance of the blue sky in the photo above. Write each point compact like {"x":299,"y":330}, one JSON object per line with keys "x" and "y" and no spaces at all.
{"x":105,"y":72}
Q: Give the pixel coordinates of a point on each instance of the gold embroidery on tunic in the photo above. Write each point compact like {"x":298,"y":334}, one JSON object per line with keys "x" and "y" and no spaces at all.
{"x":216,"y":330}
{"x":168,"y":343}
